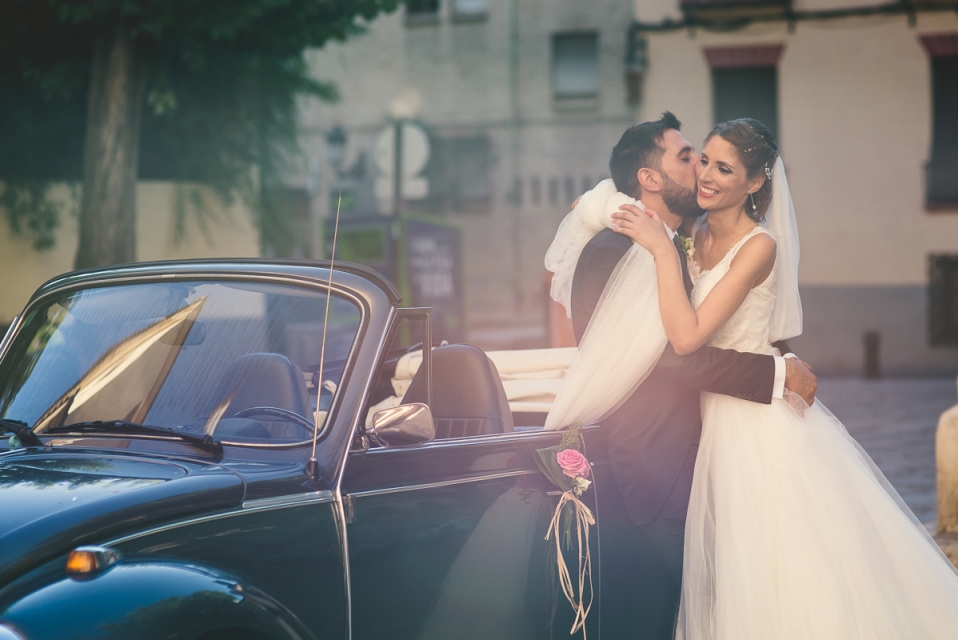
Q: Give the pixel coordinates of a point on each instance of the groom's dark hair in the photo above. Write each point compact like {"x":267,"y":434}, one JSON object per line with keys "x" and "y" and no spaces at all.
{"x":640,"y":147}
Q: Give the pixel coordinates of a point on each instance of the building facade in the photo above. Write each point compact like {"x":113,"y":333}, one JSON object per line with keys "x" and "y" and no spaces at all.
{"x":864,"y":100}
{"x":169,"y":227}
{"x":523,"y":100}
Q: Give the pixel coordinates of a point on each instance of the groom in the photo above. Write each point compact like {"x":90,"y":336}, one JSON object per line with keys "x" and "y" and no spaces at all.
{"x":653,"y":437}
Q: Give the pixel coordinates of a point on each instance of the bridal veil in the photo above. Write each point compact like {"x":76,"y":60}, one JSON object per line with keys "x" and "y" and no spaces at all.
{"x":625,"y":337}
{"x":786,"y":321}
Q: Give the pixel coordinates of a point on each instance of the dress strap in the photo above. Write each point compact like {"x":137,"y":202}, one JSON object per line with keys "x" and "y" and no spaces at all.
{"x":698,"y":224}
{"x":694,"y":271}
{"x":741,"y":241}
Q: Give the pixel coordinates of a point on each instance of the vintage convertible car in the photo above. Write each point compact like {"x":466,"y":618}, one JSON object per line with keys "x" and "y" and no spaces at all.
{"x":185,"y":454}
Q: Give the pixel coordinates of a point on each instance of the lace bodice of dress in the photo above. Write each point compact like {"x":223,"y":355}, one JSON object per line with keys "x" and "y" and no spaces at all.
{"x":748,"y":328}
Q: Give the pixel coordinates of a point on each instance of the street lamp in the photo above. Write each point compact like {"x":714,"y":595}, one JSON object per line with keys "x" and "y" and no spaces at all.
{"x":336,"y":147}
{"x":636,"y":66}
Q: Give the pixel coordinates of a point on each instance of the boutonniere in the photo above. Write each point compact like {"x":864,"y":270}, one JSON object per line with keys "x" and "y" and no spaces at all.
{"x":688,"y":244}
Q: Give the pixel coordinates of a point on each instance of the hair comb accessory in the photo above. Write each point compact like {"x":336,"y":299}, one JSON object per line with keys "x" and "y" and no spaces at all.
{"x":768,"y":171}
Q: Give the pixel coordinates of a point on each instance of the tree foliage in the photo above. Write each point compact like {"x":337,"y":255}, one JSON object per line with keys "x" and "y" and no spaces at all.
{"x":222,"y":82}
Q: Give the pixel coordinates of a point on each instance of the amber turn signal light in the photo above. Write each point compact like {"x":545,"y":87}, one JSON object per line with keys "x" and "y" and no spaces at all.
{"x":85,"y":561}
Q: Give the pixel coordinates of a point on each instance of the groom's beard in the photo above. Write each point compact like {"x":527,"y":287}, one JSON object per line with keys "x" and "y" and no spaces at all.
{"x":679,"y":200}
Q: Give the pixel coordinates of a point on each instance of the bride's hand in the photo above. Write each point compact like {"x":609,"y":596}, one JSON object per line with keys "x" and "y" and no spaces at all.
{"x":644,"y":227}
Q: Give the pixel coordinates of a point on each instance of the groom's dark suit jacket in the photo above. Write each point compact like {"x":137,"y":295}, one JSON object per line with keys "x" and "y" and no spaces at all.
{"x":651,"y":434}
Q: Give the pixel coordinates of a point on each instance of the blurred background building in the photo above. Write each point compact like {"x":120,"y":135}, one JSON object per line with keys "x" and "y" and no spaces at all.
{"x":167,"y":230}
{"x":523,"y":101}
{"x":864,"y":101}
{"x":507,"y":110}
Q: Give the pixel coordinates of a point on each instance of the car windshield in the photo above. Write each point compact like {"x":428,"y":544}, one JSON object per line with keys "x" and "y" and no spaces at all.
{"x":235,"y":360}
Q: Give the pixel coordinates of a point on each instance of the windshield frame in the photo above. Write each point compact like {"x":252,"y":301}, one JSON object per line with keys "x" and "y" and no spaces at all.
{"x":212,"y":275}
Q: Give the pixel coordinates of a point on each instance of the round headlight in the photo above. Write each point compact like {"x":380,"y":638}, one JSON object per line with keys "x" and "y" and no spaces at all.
{"x":8,"y":633}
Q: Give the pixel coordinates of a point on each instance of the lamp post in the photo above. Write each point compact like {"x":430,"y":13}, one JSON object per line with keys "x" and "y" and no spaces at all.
{"x":397,"y":171}
{"x":336,"y":139}
{"x":636,"y":66}
{"x":336,"y":147}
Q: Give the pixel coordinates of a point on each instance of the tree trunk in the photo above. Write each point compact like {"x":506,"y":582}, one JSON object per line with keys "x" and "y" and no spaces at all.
{"x":112,"y":152}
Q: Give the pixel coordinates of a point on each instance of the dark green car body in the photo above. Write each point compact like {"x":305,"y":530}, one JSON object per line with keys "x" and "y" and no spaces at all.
{"x":443,"y":539}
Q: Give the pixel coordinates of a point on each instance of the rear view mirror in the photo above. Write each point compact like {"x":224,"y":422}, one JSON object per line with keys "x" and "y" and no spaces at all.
{"x":405,"y":424}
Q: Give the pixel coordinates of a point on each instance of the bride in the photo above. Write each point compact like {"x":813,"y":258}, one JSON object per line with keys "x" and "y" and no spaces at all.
{"x":792,"y":531}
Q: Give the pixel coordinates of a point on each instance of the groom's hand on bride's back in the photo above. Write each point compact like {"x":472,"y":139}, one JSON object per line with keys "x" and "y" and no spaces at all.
{"x":800,"y":379}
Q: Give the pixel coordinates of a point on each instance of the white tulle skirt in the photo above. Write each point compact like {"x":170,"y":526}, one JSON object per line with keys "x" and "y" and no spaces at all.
{"x":793,"y":532}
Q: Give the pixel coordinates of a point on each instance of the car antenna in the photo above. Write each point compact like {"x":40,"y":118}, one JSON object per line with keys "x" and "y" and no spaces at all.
{"x":312,"y":467}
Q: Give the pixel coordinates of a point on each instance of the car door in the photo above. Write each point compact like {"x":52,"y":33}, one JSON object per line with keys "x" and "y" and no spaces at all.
{"x":447,"y":540}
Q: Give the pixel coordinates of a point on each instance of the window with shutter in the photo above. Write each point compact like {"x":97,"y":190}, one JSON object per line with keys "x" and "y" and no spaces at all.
{"x":745,"y":83}
{"x":575,"y":65}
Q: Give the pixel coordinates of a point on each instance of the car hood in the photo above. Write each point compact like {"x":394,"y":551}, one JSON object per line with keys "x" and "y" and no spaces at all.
{"x":52,"y":501}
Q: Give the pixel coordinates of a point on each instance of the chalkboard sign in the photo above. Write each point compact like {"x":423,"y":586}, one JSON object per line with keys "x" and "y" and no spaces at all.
{"x":421,"y":257}
{"x":433,"y":275}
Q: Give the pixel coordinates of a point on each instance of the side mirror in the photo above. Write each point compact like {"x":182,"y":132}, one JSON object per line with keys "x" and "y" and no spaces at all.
{"x":403,"y":425}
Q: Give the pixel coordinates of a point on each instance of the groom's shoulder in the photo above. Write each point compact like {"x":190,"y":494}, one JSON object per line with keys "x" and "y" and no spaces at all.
{"x":607,"y":241}
{"x":596,"y":263}
{"x":599,"y":258}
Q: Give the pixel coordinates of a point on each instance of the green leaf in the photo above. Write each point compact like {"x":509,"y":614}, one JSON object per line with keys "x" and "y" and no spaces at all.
{"x":223,"y":76}
{"x":546,"y":461}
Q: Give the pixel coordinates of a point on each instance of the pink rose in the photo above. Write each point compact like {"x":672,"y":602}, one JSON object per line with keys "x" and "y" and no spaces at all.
{"x":573,"y":463}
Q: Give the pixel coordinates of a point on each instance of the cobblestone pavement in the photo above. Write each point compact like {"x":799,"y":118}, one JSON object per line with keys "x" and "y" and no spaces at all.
{"x":894,"y":420}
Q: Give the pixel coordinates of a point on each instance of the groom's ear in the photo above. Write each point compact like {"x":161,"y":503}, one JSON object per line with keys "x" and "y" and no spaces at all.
{"x":649,"y":180}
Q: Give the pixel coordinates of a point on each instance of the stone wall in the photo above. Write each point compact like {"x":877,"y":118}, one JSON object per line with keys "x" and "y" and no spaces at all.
{"x":838,"y":316}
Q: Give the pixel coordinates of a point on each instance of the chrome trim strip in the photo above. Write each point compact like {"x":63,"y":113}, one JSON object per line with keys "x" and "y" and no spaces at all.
{"x":341,"y":470}
{"x":8,"y":333}
{"x":470,"y":440}
{"x":340,"y":512}
{"x":445,"y":483}
{"x":354,"y":428}
{"x":288,"y":501}
{"x":268,"y":504}
{"x":193,"y":275}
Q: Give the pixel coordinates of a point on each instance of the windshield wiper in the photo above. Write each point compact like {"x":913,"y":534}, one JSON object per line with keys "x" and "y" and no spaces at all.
{"x":205,"y":442}
{"x":21,"y":430}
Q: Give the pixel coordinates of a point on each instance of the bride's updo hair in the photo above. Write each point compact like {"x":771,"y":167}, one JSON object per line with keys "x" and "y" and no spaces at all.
{"x":758,"y":151}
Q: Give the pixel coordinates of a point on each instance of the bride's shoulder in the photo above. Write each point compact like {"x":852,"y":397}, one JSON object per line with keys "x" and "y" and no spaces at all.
{"x":758,"y":247}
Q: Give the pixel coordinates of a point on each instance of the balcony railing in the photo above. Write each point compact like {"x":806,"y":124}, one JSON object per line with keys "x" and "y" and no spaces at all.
{"x":734,"y":9}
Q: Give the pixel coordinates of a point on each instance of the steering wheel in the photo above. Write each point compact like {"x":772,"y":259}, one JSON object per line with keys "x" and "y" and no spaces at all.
{"x":277,"y":412}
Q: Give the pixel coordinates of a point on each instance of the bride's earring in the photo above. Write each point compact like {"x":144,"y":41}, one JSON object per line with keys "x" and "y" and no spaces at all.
{"x":754,"y":208}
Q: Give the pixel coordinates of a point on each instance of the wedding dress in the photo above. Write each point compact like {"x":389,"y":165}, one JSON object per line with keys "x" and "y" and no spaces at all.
{"x":792,"y":531}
